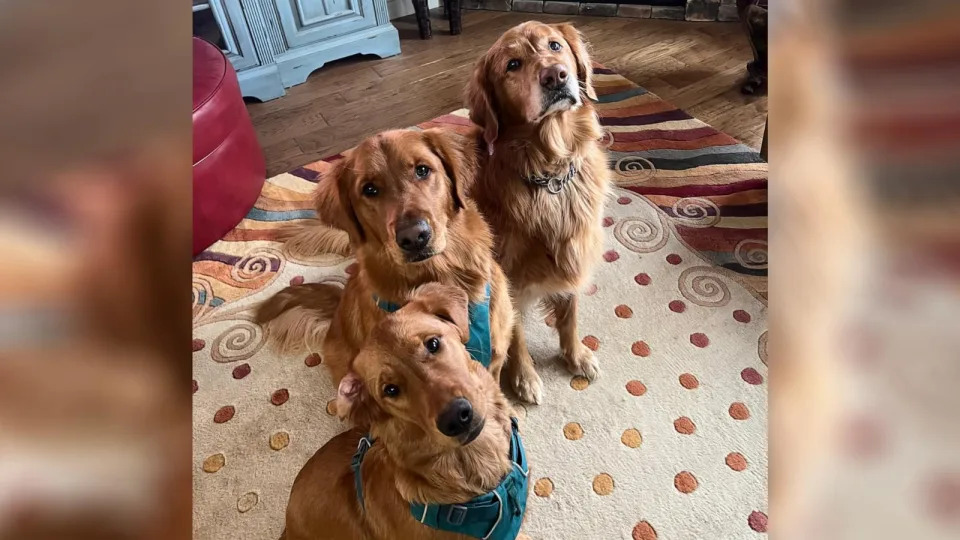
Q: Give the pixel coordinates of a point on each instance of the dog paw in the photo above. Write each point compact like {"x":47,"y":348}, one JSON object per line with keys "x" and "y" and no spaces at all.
{"x":528,"y":386}
{"x":582,"y":362}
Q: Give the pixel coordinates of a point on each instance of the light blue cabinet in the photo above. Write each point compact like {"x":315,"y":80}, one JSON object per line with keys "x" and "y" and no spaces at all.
{"x":275,"y":44}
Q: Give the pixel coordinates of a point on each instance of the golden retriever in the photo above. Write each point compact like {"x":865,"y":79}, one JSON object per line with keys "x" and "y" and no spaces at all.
{"x":400,"y":195}
{"x":543,"y":180}
{"x":438,"y":422}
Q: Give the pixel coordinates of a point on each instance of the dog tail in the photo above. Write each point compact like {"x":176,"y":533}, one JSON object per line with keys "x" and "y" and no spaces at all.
{"x":295,"y":318}
{"x":315,"y":238}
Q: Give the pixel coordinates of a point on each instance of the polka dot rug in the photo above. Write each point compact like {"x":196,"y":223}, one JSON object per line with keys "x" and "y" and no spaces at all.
{"x":670,"y":441}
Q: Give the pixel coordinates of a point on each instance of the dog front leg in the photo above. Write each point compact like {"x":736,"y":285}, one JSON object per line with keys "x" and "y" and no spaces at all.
{"x":577,"y":357}
{"x":523,"y":377}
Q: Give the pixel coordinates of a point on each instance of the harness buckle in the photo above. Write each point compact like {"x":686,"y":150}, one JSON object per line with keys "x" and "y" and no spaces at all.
{"x":456,"y":514}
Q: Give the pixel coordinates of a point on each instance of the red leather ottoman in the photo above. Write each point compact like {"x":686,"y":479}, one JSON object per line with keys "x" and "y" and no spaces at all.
{"x":228,"y":166}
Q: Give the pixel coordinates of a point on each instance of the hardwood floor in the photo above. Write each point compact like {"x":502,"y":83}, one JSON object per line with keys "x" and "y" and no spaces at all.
{"x":695,"y":66}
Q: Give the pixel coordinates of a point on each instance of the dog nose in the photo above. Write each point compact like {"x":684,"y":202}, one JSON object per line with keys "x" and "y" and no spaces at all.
{"x":552,"y":77}
{"x":413,"y":235}
{"x":455,"y":418}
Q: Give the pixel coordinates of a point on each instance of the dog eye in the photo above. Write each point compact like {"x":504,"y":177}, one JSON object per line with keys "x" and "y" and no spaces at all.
{"x":513,"y":64}
{"x":555,"y":46}
{"x":432,"y":345}
{"x":391,"y":390}
{"x":370,"y":190}
{"x":422,"y":171}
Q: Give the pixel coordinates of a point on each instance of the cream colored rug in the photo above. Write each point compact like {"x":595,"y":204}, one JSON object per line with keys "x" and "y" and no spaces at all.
{"x":670,"y":442}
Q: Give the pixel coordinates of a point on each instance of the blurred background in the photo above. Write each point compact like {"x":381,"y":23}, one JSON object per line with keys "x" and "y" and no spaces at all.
{"x":94,"y":285}
{"x":95,"y":159}
{"x":865,"y":195}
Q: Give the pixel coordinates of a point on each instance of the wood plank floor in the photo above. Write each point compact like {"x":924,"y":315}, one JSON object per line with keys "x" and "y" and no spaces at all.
{"x":695,"y":66}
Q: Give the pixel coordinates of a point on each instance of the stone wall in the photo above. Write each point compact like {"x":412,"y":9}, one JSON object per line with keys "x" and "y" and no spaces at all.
{"x":695,"y":10}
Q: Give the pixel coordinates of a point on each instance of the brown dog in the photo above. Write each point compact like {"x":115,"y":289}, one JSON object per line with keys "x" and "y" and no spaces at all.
{"x":400,"y":195}
{"x":439,"y":424}
{"x":543,"y":179}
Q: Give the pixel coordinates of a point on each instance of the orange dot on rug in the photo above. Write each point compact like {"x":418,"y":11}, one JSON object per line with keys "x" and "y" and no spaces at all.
{"x":224,"y":414}
{"x":543,"y":487}
{"x":699,"y":339}
{"x":677,"y":306}
{"x":241,"y":371}
{"x":573,"y":431}
{"x":332,"y":407}
{"x":623,"y":311}
{"x":640,"y":348}
{"x":213,"y":463}
{"x":685,"y":482}
{"x":312,"y":360}
{"x":631,"y":438}
{"x":751,"y":376}
{"x":739,"y":411}
{"x":689,"y":381}
{"x":603,"y":484}
{"x":591,"y":342}
{"x":636,"y":388}
{"x":644,"y":531}
{"x":736,"y":461}
{"x":741,"y":316}
{"x":279,"y":440}
{"x":684,"y":425}
{"x":579,"y":383}
{"x":611,"y":256}
{"x":642,"y":278}
{"x":247,"y":501}
{"x":280,"y":397}
{"x":757,"y":521}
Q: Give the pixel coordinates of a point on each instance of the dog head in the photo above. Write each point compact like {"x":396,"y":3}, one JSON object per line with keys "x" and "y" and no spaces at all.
{"x":397,"y":191}
{"x":533,"y":70}
{"x":414,"y":379}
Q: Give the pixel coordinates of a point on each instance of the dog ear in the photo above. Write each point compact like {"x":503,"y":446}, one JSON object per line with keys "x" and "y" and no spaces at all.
{"x":333,"y":203}
{"x":459,"y":161}
{"x":354,"y":403}
{"x":445,"y":302}
{"x":482,"y":105}
{"x":578,"y":46}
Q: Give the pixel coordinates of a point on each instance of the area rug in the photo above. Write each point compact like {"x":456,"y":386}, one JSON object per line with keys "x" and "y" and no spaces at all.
{"x":669,"y":443}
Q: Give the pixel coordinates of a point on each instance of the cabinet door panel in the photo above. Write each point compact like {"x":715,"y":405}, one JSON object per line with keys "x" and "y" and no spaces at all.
{"x":310,"y":21}
{"x":233,"y":26}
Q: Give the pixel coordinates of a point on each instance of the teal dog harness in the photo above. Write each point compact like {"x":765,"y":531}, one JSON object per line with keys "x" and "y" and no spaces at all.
{"x":496,"y":515}
{"x":479,"y":313}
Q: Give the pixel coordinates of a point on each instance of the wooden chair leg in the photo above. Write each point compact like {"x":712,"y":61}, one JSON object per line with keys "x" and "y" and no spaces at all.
{"x":423,"y":18}
{"x":455,"y":15}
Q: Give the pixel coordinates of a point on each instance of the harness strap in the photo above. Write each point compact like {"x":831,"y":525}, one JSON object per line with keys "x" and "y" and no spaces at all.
{"x":496,"y":515}
{"x":365,"y":443}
